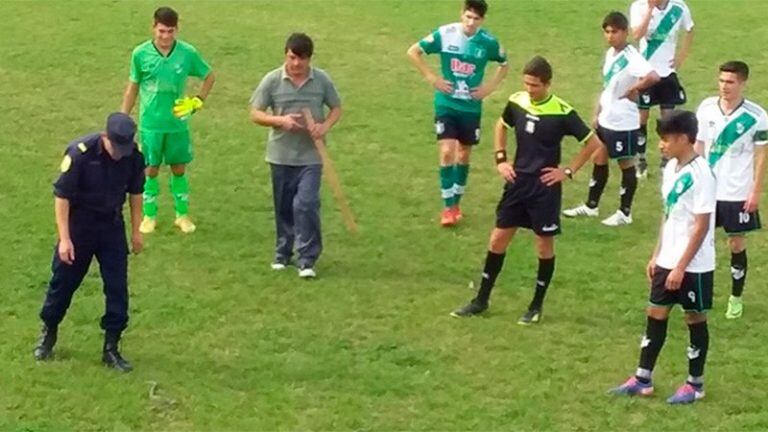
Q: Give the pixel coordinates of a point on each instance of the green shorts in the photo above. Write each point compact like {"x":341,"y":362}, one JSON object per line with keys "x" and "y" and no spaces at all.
{"x":171,"y":148}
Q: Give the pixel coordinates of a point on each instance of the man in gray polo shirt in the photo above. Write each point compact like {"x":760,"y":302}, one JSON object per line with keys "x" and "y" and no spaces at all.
{"x":295,"y":163}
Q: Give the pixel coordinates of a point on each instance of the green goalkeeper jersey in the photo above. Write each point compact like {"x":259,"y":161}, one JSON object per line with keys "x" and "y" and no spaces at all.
{"x":162,"y":80}
{"x":462,"y":62}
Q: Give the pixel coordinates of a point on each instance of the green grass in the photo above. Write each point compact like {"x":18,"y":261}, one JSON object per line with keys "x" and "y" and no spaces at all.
{"x":369,"y":345}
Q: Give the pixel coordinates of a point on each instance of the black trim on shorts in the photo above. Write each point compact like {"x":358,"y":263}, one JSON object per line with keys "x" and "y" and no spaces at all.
{"x":620,"y":144}
{"x":694,"y":295}
{"x":730,"y":216}
{"x":667,"y":94}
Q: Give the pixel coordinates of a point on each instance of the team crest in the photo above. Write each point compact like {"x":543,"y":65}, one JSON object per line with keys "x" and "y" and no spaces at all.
{"x":739,"y":128}
{"x":480,"y":52}
{"x":679,"y":188}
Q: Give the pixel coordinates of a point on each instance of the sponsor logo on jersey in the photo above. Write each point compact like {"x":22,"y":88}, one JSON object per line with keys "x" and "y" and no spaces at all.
{"x":458,"y":66}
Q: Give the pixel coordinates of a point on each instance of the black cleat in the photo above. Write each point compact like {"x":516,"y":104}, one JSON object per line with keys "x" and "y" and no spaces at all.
{"x":44,"y":349}
{"x":473,"y":308}
{"x":111,"y":356}
{"x":532,"y":316}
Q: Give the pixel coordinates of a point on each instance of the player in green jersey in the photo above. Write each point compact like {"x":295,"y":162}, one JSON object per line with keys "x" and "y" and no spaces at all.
{"x":465,"y":49}
{"x":159,"y":71}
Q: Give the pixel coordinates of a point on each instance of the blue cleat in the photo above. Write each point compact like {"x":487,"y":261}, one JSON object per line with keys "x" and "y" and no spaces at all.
{"x":686,"y":394}
{"x":633,"y":387}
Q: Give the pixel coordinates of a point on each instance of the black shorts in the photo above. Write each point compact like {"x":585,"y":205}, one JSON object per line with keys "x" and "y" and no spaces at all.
{"x":731,"y":216}
{"x":463,"y":127}
{"x":667,"y":94}
{"x":694,"y":295}
{"x":620,"y":144}
{"x":529,"y":203}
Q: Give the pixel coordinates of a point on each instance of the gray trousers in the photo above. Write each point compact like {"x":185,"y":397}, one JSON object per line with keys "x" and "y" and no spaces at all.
{"x":296,"y":194}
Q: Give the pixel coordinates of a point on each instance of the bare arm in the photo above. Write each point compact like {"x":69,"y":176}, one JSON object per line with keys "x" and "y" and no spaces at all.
{"x":640,"y":31}
{"x":592,"y":145}
{"x":553,"y":175}
{"x":61,"y":208}
{"x":416,"y":54}
{"x":753,"y":201}
{"x":137,"y":238}
{"x":66,"y":249}
{"x":491,"y":85}
{"x":208,"y":82}
{"x":333,"y":116}
{"x":289,"y":122}
{"x":129,"y":97}
{"x":685,"y":49}
{"x":505,"y":168}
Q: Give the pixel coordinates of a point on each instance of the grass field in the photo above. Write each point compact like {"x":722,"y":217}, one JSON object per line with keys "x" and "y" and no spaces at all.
{"x":226,"y":344}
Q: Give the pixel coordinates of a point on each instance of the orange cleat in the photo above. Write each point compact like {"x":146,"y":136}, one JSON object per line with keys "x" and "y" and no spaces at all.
{"x":457,"y":215}
{"x":447,"y":218}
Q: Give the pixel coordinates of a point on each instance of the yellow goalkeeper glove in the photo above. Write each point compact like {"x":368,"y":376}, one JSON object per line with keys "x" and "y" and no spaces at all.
{"x":184,"y":108}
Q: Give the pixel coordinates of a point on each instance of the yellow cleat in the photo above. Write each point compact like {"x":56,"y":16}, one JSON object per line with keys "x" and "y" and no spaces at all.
{"x":148,"y":225}
{"x":185,"y":224}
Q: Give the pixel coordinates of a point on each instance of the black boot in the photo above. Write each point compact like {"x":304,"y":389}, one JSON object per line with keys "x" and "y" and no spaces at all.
{"x":44,"y":349}
{"x":111,"y":354}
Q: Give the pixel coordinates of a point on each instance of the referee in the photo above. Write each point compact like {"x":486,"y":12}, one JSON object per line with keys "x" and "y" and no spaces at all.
{"x":532,"y":193}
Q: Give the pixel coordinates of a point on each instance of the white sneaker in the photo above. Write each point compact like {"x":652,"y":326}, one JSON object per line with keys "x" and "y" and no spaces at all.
{"x":618,"y":218}
{"x":307,"y":273}
{"x":581,"y":210}
{"x":277,"y":266}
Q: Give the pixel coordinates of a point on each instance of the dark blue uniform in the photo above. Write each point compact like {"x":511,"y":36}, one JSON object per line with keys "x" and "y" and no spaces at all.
{"x":95,"y":186}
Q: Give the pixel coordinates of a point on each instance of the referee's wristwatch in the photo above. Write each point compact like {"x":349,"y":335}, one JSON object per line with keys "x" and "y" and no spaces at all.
{"x":568,"y":172}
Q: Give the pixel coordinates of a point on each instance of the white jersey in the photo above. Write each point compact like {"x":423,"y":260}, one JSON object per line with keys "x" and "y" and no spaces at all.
{"x":729,"y":145}
{"x":687,"y":190}
{"x":621,"y":71}
{"x":659,"y":44}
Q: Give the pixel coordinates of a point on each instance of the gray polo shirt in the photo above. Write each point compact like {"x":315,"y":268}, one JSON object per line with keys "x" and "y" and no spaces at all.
{"x":277,"y":92}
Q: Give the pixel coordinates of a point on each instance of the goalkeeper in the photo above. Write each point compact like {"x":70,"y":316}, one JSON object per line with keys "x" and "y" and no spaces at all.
{"x":159,"y":71}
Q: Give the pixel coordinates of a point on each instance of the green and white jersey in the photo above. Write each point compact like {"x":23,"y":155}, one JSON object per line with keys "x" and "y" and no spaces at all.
{"x":660,"y":42}
{"x":687,"y":190}
{"x":162,"y":80}
{"x":462,"y":62}
{"x":621,"y":70}
{"x":729,"y":144}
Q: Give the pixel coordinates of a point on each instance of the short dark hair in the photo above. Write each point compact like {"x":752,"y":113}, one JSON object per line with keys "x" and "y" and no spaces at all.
{"x":617,"y":20}
{"x":479,"y":7}
{"x":738,"y":67}
{"x":166,"y":16}
{"x":678,"y":122}
{"x":540,"y":68}
{"x":299,"y":44}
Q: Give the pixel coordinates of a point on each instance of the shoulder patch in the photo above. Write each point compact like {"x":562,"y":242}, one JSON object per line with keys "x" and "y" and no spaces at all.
{"x":82,"y":147}
{"x":66,"y":164}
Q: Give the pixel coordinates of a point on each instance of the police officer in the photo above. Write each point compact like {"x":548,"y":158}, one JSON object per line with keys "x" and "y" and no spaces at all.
{"x":96,"y":173}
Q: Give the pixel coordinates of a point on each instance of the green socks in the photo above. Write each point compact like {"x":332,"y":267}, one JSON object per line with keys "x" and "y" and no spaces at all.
{"x":151,"y":190}
{"x":446,"y":186}
{"x":461,"y":173}
{"x":180,"y":191}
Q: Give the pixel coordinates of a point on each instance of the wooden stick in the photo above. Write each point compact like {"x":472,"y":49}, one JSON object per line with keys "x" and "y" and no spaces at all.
{"x":331,"y":177}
